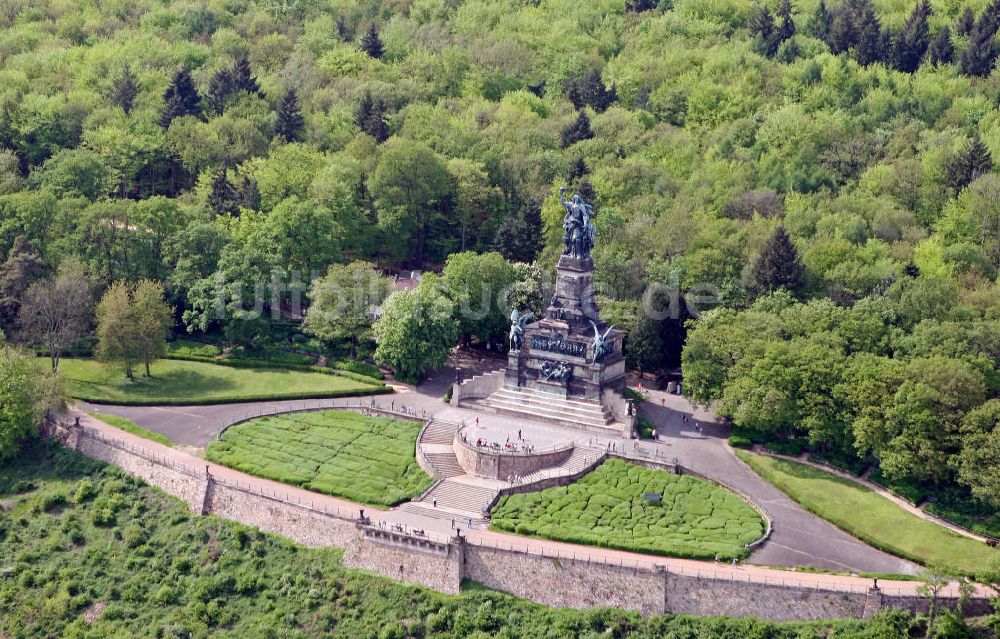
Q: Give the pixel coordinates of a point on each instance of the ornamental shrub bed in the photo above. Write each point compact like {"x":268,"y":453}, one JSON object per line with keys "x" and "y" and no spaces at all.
{"x":365,"y":459}
{"x":607,"y":508}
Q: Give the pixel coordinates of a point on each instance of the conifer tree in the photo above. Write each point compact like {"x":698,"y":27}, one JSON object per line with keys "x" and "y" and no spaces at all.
{"x":577,"y":130}
{"x":181,"y":98}
{"x":966,"y":20}
{"x":370,"y":117}
{"x":942,"y":51}
{"x":290,"y":121}
{"x":519,"y":236}
{"x":577,"y":169}
{"x":249,"y":194}
{"x":968,"y":164}
{"x":222,"y":85}
{"x":843,"y":31}
{"x":778,"y":265}
{"x":786,"y":30}
{"x":223,"y":199}
{"x":371,"y":43}
{"x":638,"y":6}
{"x":243,"y":77}
{"x":873,"y":43}
{"x":981,"y":52}
{"x":764,"y":32}
{"x":595,"y":93}
{"x":822,"y":22}
{"x":913,"y":40}
{"x":125,"y":90}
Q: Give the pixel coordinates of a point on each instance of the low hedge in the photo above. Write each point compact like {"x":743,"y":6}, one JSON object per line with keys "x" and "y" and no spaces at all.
{"x":354,"y":366}
{"x":739,"y":441}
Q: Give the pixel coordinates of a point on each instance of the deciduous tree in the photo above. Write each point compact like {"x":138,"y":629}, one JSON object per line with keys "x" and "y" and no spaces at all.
{"x":56,"y":312}
{"x":416,"y":331}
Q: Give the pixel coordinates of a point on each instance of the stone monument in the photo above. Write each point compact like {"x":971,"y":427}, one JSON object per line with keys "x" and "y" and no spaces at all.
{"x":568,"y":365}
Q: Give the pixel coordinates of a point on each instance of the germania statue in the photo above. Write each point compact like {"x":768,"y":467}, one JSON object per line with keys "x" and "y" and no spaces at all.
{"x":578,"y":229}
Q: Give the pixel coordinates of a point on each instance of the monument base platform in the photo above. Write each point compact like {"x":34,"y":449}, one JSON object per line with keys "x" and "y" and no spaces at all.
{"x":550,"y":408}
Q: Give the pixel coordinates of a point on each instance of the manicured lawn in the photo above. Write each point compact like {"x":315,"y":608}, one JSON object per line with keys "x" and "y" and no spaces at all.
{"x":607,"y":507}
{"x":364,"y":459}
{"x":870,"y":517}
{"x":185,"y":382}
{"x":129,"y":426}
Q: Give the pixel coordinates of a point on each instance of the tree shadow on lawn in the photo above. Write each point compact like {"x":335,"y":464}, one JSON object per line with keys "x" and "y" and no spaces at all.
{"x":174,"y":383}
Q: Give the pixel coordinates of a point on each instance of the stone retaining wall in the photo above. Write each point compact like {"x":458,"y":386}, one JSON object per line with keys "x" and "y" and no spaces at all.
{"x":477,"y":387}
{"x":408,"y":558}
{"x":493,"y":464}
{"x":443,"y":564}
{"x":300,"y":523}
{"x":565,"y":583}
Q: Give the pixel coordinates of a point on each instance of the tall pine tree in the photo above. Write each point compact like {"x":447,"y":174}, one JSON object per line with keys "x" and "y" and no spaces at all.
{"x":290,"y":121}
{"x":577,"y":130}
{"x":786,"y":30}
{"x":778,"y":265}
{"x":764,"y":32}
{"x":969,"y":164}
{"x":249,"y":194}
{"x":371,"y":43}
{"x":243,"y":77}
{"x":181,"y":98}
{"x":941,"y":51}
{"x":223,"y":198}
{"x":222,"y":85}
{"x":370,"y":117}
{"x":966,"y":20}
{"x":981,"y":52}
{"x":844,"y":30}
{"x":873,"y":43}
{"x":914,"y":39}
{"x":822,"y":22}
{"x":125,"y":89}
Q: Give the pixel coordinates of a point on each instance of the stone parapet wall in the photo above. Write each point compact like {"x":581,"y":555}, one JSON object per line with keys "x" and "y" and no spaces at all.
{"x":300,"y":523}
{"x":413,"y":559}
{"x":187,"y":484}
{"x":477,"y":387}
{"x":492,"y":464}
{"x":565,"y":583}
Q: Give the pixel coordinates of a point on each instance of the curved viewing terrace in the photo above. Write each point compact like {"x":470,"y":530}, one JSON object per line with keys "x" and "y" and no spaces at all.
{"x":496,"y":452}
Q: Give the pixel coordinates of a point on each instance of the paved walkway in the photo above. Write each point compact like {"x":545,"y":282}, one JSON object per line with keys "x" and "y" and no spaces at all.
{"x":441,"y":528}
{"x":798,"y":537}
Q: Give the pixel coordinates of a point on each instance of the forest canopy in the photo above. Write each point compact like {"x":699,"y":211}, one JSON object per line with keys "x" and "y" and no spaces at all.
{"x":825,"y":167}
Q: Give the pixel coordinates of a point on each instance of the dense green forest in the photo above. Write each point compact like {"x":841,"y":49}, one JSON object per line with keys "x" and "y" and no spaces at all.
{"x":820,"y":171}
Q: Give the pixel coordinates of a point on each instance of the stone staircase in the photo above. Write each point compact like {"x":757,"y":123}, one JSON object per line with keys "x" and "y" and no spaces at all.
{"x":445,"y":464}
{"x":438,"y":433}
{"x":581,"y":460}
{"x":435,"y":444}
{"x":546,"y":407}
{"x":455,"y":500}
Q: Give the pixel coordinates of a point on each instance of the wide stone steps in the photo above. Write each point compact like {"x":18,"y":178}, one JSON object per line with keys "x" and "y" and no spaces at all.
{"x":461,"y":497}
{"x":438,"y":433}
{"x":445,"y":465}
{"x":460,"y":517}
{"x":532,"y":396}
{"x":582,"y":458}
{"x":554,"y":410}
